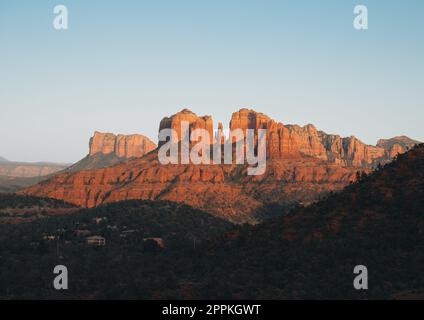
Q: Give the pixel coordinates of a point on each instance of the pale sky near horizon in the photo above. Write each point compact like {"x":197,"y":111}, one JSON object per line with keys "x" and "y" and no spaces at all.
{"x":124,"y":65}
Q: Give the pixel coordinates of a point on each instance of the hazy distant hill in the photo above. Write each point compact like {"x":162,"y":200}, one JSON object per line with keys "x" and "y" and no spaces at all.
{"x":10,"y":184}
{"x":29,"y":170}
{"x":18,"y":175}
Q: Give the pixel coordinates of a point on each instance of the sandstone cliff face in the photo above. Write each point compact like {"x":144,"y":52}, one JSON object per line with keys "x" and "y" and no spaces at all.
{"x":123,"y":146}
{"x":359,"y":154}
{"x":107,"y":149}
{"x":280,"y":144}
{"x":293,"y":141}
{"x":174,"y":122}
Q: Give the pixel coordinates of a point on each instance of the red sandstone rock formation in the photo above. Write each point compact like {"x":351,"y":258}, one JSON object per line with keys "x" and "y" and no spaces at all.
{"x":293,"y":141}
{"x":107,"y":149}
{"x":303,"y":163}
{"x":174,"y":122}
{"x":224,"y":190}
{"x":123,"y":146}
{"x":396,"y":145}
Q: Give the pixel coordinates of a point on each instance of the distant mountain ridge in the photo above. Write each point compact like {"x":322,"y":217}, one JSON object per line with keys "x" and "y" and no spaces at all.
{"x":403,"y":141}
{"x":17,"y":175}
{"x":397,"y":145}
{"x":29,"y":170}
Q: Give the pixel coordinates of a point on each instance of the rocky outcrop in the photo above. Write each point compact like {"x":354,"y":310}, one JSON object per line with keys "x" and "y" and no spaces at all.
{"x":249,"y":119}
{"x":293,"y":141}
{"x":397,"y":145}
{"x":107,"y":149}
{"x":194,"y":122}
{"x":403,"y":141}
{"x":123,"y":146}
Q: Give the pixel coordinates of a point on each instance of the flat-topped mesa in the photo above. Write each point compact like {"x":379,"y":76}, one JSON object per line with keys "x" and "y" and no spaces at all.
{"x":195,"y":122}
{"x":123,"y":146}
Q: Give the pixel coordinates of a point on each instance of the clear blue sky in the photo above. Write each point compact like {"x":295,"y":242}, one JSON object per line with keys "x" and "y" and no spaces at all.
{"x":124,"y":65}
